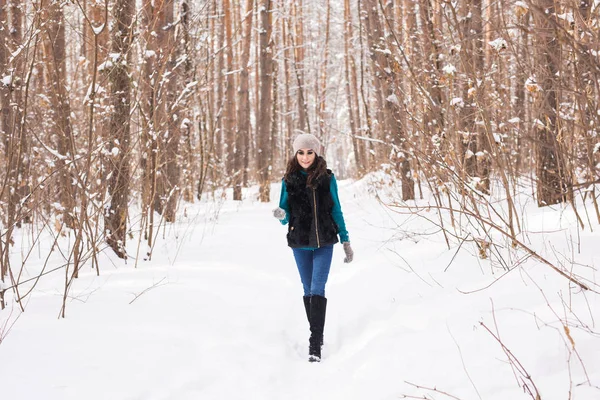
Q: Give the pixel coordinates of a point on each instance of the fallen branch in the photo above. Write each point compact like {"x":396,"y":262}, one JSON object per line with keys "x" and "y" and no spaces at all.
{"x":433,"y":389}
{"x":515,"y":241}
{"x":514,"y":362}
{"x":157,"y":284}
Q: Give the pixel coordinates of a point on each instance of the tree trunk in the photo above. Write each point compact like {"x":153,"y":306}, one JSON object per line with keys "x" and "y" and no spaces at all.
{"x":95,"y":49}
{"x":298,"y":44}
{"x":229,"y":123}
{"x":56,"y":66}
{"x":243,"y":111}
{"x":370,"y":157}
{"x":386,"y":72}
{"x":170,"y":109}
{"x":5,"y":132}
{"x":433,"y":120}
{"x":287,"y":81}
{"x":187,"y":126}
{"x":321,"y":80}
{"x":160,"y":115}
{"x":219,"y":126}
{"x":18,"y":142}
{"x":266,"y":87}
{"x":472,"y":58}
{"x":520,"y":146}
{"x":94,"y":11}
{"x":552,"y":181}
{"x":118,"y":186}
{"x":352,"y":111}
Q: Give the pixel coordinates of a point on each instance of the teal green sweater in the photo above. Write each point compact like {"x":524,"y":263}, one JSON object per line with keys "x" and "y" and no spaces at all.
{"x":338,"y":216}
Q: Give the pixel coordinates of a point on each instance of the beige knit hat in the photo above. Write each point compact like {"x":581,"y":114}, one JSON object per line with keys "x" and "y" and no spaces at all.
{"x":306,"y":141}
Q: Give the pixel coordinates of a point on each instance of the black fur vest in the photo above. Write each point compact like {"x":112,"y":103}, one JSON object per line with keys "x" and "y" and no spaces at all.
{"x":311,"y":223}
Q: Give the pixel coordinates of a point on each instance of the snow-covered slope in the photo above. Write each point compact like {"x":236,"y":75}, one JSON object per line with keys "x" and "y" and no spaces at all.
{"x":218,"y":314}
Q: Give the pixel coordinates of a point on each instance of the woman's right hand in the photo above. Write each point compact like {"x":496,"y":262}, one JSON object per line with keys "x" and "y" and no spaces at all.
{"x":279,"y":213}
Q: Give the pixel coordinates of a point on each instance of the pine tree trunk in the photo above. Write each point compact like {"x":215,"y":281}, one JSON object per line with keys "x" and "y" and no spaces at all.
{"x":266,"y":104}
{"x":348,"y":64}
{"x":208,"y":144}
{"x":321,"y":80}
{"x":243,"y":111}
{"x":287,"y":56}
{"x":370,"y":156}
{"x":298,"y":44}
{"x":219,"y":106}
{"x":229,"y":123}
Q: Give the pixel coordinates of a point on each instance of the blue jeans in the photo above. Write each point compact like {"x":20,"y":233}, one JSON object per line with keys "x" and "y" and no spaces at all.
{"x":313,"y":266}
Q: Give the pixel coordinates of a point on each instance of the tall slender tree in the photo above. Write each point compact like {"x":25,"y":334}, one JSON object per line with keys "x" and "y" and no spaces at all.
{"x":149,"y":140}
{"x":552,"y":179}
{"x":350,"y":81}
{"x":170,"y":110}
{"x":55,"y":58}
{"x":119,"y":182}
{"x":18,"y":142}
{"x":299,"y":60}
{"x":229,"y":108}
{"x":386,"y":70}
{"x":321,"y":81}
{"x":243,"y":111}
{"x":472,"y":58}
{"x":186,"y":101}
{"x":4,"y":134}
{"x":266,"y":91}
{"x":287,"y":79}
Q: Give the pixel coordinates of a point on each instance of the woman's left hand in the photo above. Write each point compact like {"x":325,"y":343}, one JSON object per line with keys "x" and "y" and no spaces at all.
{"x":348,"y":251}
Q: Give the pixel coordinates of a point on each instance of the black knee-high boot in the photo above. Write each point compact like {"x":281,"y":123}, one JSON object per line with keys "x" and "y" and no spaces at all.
{"x":318,"y":306}
{"x":307,"y":307}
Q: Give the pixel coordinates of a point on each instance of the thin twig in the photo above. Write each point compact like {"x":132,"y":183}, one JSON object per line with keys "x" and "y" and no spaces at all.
{"x":434,"y":389}
{"x":462,"y":360}
{"x":157,"y":284}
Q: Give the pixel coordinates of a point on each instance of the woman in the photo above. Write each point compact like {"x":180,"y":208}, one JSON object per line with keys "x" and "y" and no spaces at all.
{"x":309,"y":203}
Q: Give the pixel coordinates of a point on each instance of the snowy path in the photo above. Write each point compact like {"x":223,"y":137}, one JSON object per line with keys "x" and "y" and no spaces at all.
{"x":226,"y":322}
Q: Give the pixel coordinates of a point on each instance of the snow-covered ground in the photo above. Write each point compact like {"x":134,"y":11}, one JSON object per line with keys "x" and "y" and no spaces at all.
{"x":218,"y":314}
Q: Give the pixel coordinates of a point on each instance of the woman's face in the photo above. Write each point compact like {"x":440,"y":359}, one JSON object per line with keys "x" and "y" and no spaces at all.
{"x":305,"y":157}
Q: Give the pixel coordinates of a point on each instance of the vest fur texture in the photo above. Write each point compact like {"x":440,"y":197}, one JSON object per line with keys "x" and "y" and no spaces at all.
{"x":304,"y":229}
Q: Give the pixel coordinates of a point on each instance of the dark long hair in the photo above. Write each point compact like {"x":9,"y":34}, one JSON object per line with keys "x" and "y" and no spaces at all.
{"x":316,"y":170}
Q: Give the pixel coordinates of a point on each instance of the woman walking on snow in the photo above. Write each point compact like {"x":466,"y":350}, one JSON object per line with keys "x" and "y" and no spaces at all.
{"x":309,"y":203}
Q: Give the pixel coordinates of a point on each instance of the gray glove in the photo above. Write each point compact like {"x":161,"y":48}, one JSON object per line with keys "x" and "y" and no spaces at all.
{"x":349,"y":252}
{"x":279,"y":213}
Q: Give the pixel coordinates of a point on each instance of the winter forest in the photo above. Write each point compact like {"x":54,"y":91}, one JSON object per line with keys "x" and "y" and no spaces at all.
{"x":474,"y":121}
